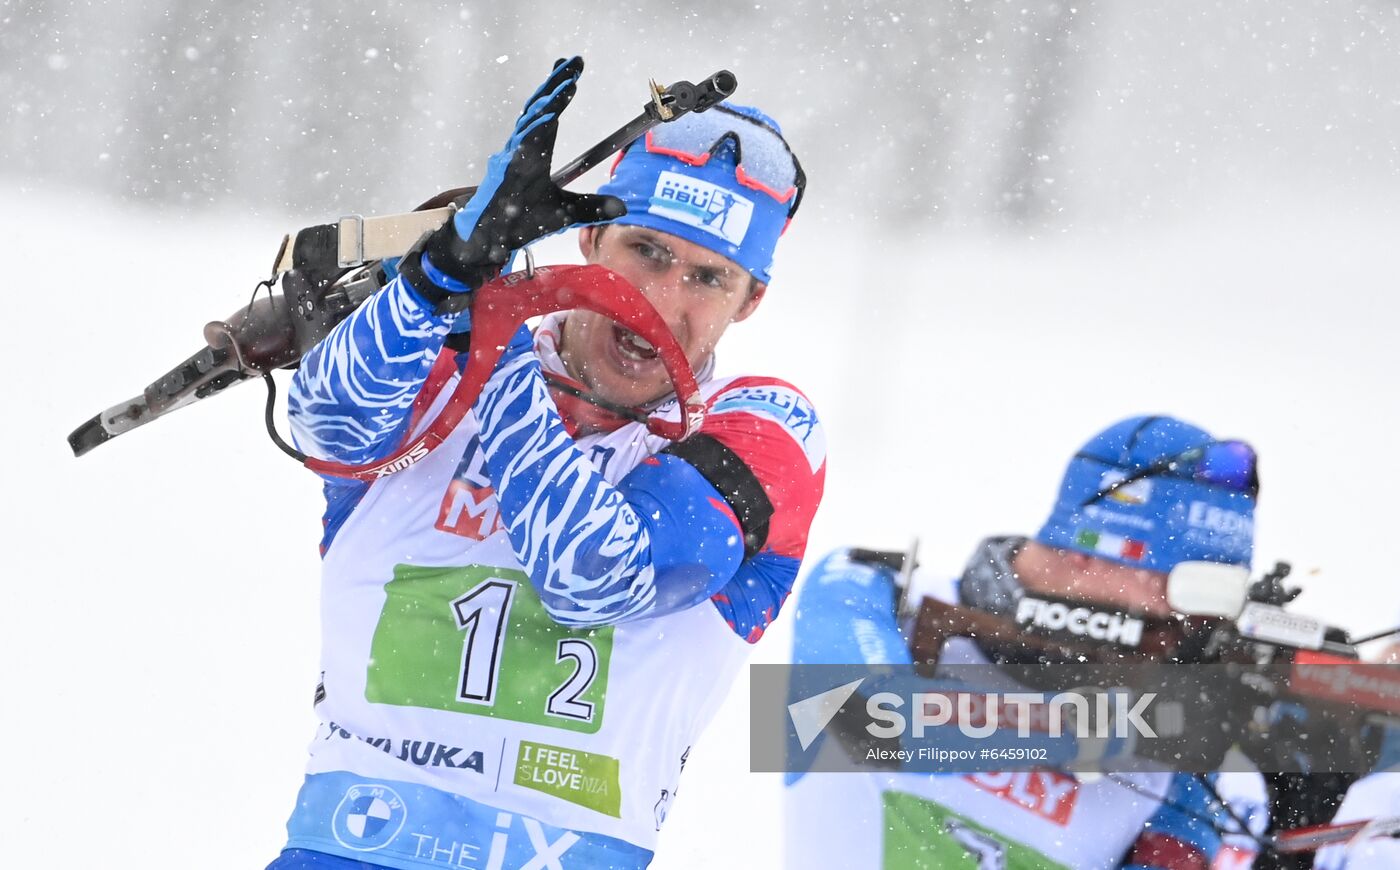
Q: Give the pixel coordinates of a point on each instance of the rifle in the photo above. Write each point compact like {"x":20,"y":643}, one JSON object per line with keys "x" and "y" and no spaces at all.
{"x":1287,"y":663}
{"x":328,"y":270}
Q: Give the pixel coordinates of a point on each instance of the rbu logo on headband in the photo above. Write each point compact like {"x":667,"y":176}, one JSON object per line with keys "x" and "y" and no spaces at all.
{"x":702,"y":205}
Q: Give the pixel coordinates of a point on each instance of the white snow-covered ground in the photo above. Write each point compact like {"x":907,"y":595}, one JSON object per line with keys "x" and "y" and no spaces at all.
{"x":158,"y":626}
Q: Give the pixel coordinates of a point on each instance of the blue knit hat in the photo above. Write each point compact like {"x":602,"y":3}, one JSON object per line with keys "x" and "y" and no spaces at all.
{"x":1190,"y":497}
{"x":699,"y":192}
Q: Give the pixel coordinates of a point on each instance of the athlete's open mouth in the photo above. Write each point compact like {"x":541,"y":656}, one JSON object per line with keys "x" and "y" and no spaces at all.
{"x":632,"y":346}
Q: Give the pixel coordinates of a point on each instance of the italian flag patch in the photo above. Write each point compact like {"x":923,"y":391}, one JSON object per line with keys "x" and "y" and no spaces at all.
{"x":1111,"y":545}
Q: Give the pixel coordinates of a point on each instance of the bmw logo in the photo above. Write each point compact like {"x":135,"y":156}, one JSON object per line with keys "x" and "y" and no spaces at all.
{"x":369,"y":817}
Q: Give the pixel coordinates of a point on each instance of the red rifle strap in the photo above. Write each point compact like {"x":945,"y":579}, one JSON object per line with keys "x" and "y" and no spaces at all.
{"x":499,"y":308}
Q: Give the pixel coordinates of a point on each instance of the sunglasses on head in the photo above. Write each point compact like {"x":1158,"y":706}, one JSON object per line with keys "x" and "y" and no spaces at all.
{"x":765,"y":162}
{"x":1227,"y":464}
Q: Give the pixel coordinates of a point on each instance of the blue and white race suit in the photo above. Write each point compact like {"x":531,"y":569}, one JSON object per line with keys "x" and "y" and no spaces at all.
{"x":1042,"y":818}
{"x":524,"y":632}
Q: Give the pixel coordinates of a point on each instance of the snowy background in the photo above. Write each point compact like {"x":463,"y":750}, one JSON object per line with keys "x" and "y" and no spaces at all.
{"x":1025,"y":221}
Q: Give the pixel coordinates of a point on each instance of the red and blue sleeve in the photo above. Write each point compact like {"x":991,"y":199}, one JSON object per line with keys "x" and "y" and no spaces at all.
{"x":719,"y":517}
{"x":763,"y":447}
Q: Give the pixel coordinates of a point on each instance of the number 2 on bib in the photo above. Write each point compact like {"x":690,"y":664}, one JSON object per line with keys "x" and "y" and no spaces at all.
{"x":476,"y":640}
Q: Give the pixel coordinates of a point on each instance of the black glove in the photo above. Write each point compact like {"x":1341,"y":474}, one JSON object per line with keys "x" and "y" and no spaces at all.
{"x":515,"y":204}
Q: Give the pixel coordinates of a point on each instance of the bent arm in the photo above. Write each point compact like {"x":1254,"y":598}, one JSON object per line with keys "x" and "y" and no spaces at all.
{"x":352,"y":398}
{"x":664,"y":539}
{"x":598,"y":553}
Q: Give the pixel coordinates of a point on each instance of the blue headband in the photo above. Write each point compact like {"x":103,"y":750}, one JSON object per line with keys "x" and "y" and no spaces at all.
{"x":705,"y":205}
{"x":1156,"y":521}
